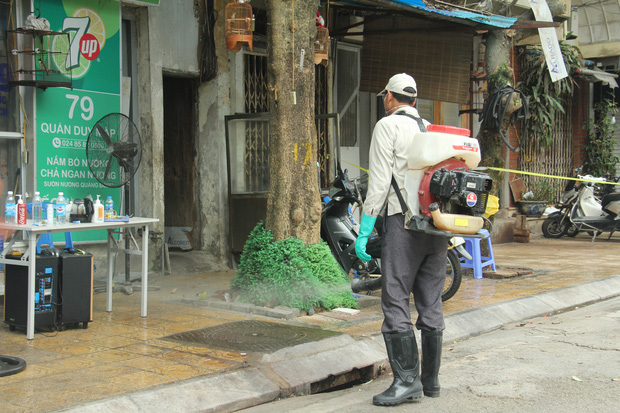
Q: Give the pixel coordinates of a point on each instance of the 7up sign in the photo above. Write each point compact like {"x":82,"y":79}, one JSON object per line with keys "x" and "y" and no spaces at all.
{"x":89,"y":54}
{"x":87,"y":36}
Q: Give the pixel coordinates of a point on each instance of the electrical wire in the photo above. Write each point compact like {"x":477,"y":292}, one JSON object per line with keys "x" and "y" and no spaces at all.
{"x":494,"y":114}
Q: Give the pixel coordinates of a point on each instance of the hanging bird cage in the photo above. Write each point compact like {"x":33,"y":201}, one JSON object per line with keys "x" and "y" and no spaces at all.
{"x":238,"y":26}
{"x":321,"y":46}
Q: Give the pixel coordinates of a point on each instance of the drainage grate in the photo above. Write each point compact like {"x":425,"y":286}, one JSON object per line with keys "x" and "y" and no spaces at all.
{"x":251,"y":336}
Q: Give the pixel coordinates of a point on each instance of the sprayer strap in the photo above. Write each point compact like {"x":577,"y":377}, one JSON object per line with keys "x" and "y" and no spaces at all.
{"x":403,"y":204}
{"x":417,"y":119}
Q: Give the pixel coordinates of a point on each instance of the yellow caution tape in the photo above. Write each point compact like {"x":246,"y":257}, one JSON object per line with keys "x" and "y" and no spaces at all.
{"x":522,"y":173}
{"x":547,"y":176}
{"x":358,"y":167}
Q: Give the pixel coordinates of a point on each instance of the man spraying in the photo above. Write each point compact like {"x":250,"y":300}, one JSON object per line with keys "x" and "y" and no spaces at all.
{"x":411,"y":260}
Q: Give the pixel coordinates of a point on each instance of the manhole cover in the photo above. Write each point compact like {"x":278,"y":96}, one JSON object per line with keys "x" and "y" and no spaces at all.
{"x":251,"y":335}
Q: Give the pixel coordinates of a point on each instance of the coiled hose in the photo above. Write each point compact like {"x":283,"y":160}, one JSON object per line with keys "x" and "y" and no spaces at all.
{"x":494,"y":112}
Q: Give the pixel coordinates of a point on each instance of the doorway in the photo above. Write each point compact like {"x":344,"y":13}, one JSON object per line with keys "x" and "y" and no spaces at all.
{"x":179,"y":162}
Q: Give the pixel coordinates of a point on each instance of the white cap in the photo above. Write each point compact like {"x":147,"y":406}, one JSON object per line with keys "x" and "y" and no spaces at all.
{"x":401,"y":83}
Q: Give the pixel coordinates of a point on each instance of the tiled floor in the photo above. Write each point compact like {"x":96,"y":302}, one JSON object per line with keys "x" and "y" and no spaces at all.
{"x":123,"y":352}
{"x":119,"y":352}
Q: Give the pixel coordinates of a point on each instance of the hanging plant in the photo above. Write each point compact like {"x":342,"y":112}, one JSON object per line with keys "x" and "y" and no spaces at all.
{"x":600,"y":158}
{"x":546,"y":98}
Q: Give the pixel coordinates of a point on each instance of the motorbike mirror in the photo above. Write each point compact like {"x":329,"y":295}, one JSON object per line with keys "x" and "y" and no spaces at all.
{"x":339,"y":169}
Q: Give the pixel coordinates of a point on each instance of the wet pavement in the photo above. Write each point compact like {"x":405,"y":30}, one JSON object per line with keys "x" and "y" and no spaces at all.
{"x":121,"y":353}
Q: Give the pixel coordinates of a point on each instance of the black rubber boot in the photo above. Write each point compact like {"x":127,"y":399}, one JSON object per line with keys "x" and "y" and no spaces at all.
{"x":431,"y":359}
{"x":403,"y":355}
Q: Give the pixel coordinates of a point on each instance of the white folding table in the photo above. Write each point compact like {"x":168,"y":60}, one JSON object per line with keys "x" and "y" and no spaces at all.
{"x":29,"y":257}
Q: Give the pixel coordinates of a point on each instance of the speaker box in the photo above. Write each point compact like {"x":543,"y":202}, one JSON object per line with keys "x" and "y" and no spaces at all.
{"x":75,"y":288}
{"x":45,"y":293}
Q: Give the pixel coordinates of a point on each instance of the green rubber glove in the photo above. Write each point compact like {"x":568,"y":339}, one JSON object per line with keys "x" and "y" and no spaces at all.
{"x":366,"y":226}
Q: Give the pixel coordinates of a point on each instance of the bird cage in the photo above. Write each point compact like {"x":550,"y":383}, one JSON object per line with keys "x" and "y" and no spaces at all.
{"x":38,"y":58}
{"x":238,"y":26}
{"x":321,"y":46}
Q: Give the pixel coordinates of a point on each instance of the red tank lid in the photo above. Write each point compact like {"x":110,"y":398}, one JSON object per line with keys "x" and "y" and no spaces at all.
{"x":448,"y":129}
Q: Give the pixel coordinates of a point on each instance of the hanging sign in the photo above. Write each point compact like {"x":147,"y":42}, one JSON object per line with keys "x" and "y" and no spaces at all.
{"x":549,"y":41}
{"x":65,"y":117}
{"x":142,"y":2}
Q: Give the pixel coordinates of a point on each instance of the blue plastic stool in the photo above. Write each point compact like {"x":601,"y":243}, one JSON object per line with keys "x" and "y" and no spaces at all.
{"x":472,"y":245}
{"x":46,"y":239}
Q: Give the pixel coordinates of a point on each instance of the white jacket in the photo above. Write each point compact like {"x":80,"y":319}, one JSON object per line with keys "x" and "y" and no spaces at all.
{"x":391,"y":141}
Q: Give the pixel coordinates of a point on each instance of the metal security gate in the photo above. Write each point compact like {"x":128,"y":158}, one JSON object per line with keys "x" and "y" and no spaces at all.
{"x":555,"y":159}
{"x":247,"y":142}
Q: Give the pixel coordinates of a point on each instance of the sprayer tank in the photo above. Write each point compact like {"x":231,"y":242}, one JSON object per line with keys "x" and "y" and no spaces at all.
{"x":441,"y":142}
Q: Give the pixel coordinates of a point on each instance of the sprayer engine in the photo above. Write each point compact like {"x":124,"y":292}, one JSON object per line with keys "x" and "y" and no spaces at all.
{"x":444,"y":195}
{"x":461,"y":191}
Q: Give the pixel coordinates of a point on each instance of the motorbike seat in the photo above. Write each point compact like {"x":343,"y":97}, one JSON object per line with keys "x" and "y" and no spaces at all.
{"x":607,"y":199}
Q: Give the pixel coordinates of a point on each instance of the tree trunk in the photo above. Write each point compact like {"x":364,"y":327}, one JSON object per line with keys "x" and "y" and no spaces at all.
{"x":293,"y":205}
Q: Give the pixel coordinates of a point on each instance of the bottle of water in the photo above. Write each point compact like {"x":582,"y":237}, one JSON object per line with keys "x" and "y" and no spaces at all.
{"x":37,"y":209}
{"x":10,"y":212}
{"x":61,"y":209}
{"x":109,"y":207}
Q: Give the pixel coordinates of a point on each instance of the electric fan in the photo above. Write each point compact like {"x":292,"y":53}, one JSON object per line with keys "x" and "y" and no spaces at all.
{"x":114,"y":150}
{"x":113,"y":153}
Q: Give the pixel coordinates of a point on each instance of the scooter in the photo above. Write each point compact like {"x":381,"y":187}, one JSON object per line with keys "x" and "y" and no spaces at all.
{"x":558,"y":222}
{"x":339,"y":229}
{"x":591,"y":215}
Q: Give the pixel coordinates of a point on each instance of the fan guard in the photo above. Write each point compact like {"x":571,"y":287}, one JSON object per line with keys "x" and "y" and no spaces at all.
{"x":114,"y":150}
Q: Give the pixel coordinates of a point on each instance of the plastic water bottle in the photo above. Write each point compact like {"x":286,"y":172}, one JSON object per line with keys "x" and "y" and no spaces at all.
{"x":109,"y":207}
{"x":61,"y":209}
{"x":37,"y":209}
{"x":10,"y":212}
{"x":50,"y":214}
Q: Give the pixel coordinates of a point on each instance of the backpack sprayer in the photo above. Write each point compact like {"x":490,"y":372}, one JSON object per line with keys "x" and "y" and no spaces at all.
{"x":444,"y":196}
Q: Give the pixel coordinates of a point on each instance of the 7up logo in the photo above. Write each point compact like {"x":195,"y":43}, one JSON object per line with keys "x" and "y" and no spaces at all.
{"x":89,"y":47}
{"x":86,"y":39}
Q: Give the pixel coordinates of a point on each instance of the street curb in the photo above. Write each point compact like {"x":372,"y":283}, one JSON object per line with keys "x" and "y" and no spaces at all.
{"x":217,"y":393}
{"x":301,"y":366}
{"x":470,"y":323}
{"x":293,"y":370}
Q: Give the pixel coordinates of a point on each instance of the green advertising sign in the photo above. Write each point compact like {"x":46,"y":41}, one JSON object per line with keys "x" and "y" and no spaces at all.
{"x":65,"y":117}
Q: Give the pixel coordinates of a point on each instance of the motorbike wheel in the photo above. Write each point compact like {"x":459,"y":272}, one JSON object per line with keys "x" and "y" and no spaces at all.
{"x":453,"y":276}
{"x":572,"y":231}
{"x":551,"y":228}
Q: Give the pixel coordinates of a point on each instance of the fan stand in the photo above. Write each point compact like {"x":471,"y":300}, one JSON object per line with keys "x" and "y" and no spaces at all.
{"x":128,"y":287}
{"x":125,"y":151}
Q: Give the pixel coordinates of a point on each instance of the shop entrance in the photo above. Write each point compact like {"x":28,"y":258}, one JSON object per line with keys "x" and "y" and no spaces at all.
{"x":179,"y":162}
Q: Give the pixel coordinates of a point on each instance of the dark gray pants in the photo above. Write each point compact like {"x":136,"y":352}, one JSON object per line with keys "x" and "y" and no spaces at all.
{"x":415,"y":262}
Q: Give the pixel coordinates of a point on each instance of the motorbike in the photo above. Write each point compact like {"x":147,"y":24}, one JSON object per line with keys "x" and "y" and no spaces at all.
{"x":590,"y":214}
{"x":558,"y":222}
{"x":339,"y":229}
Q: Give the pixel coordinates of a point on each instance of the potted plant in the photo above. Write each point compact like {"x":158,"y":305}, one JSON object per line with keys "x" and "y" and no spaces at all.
{"x":535,"y":201}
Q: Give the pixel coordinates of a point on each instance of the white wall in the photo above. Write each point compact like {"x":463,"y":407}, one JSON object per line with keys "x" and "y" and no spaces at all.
{"x":174,"y":33}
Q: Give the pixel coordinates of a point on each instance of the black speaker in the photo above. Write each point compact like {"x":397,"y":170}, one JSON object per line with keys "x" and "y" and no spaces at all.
{"x":45,"y":293}
{"x":75,"y":288}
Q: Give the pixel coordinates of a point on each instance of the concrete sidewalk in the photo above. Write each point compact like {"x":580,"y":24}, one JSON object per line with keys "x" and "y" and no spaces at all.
{"x":124,"y":362}
{"x":294,"y":370}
